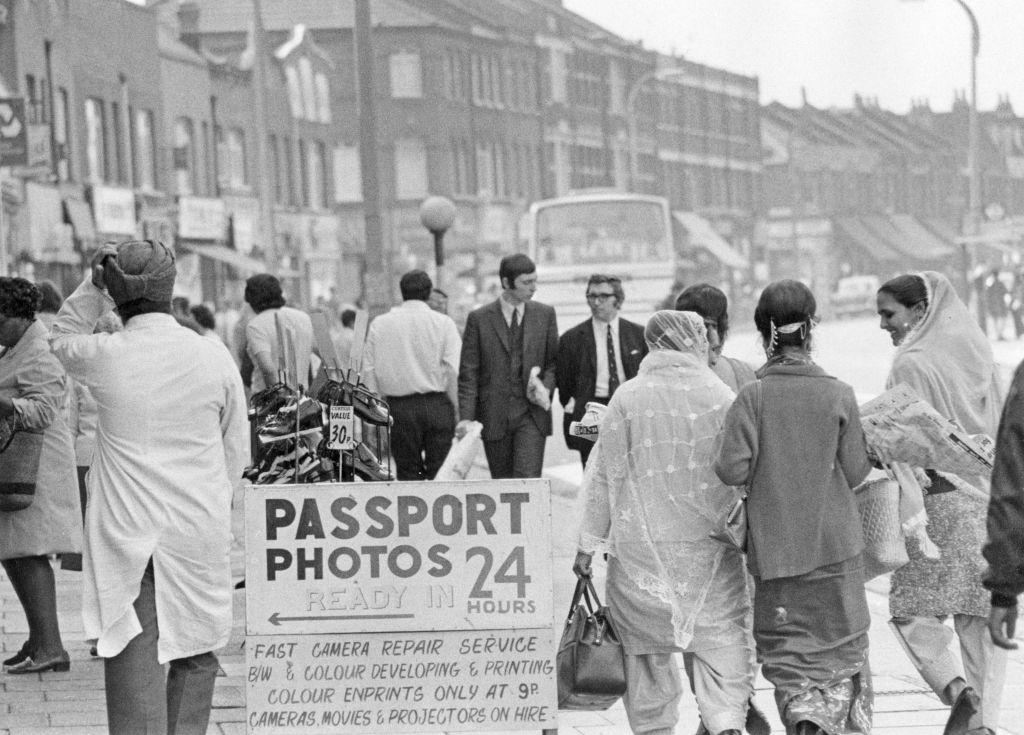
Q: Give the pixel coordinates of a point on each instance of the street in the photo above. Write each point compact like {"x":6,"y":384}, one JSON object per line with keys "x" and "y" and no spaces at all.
{"x":855,"y":350}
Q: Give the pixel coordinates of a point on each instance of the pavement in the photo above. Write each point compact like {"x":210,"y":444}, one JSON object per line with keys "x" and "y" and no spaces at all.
{"x":73,"y":702}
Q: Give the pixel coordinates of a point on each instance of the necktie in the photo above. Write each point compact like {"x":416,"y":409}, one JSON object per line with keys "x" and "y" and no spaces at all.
{"x":613,"y":372}
{"x":515,"y":321}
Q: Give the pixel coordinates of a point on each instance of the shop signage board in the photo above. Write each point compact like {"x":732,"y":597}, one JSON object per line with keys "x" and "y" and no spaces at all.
{"x":201,"y":218}
{"x":13,"y":132}
{"x":399,"y":607}
{"x":113,"y":209}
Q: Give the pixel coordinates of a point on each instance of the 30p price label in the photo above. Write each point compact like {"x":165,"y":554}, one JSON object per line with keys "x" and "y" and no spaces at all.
{"x":340,"y":427}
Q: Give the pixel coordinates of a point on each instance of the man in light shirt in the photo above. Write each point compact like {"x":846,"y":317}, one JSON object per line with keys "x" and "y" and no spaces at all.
{"x":411,"y":357}
{"x":263,"y":293}
{"x":171,"y":442}
{"x":596,"y":356}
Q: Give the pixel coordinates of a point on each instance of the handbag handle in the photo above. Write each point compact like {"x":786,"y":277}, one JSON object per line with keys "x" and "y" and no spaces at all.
{"x":584,"y":591}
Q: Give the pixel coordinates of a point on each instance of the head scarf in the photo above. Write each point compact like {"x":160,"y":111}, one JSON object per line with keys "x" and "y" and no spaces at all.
{"x":678,"y":331}
{"x":650,"y":494}
{"x":948,"y":360}
{"x":139,"y":269}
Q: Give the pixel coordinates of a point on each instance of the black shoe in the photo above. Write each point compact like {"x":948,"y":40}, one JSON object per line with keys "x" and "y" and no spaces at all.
{"x":757,"y":723}
{"x":282,"y":425}
{"x":368,"y":406}
{"x":366,"y":465}
{"x":62,"y":662}
{"x":270,"y":399}
{"x":807,"y":728}
{"x":20,"y":656}
{"x":966,"y":706}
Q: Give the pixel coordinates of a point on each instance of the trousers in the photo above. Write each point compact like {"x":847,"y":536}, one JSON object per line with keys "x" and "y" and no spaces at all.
{"x":141,"y":700}
{"x":422,"y":434}
{"x":653,"y":690}
{"x":520,"y":453}
{"x":928,"y":642}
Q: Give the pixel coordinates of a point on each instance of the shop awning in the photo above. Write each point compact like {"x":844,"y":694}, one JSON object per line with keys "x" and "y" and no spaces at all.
{"x":80,"y":216}
{"x":862,"y":236}
{"x":226,"y":255}
{"x":925,"y":243}
{"x":703,"y":235}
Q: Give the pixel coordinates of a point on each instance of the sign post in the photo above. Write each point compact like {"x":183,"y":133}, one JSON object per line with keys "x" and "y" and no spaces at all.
{"x":13,"y":132}
{"x":405,"y":607}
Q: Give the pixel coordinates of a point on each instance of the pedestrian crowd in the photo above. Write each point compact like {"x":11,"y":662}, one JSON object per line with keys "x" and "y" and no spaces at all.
{"x":123,"y":411}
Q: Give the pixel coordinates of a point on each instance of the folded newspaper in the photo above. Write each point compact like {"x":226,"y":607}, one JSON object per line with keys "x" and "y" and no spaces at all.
{"x":900,"y":426}
{"x":586,"y":427}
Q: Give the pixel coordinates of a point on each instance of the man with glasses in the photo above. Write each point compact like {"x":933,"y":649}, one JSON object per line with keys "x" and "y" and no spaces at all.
{"x":596,"y":356}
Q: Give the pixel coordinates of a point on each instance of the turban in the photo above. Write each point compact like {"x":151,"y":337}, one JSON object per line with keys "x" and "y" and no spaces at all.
{"x":139,"y":269}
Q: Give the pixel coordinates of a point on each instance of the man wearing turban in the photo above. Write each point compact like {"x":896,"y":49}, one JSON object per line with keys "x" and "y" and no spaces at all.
{"x":171,"y":443}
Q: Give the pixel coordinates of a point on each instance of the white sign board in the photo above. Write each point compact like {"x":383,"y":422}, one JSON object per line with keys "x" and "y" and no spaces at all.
{"x":401,"y":682}
{"x":399,"y":607}
{"x":372,"y":557}
{"x":201,"y":218}
{"x":113,"y":209}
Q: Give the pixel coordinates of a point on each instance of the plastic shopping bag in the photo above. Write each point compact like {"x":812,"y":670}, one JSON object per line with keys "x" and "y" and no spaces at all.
{"x":461,"y":455}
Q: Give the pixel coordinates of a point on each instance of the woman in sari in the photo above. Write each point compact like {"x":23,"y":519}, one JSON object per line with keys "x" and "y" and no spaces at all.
{"x":945,"y":357}
{"x":650,"y":500}
{"x":804,"y":538}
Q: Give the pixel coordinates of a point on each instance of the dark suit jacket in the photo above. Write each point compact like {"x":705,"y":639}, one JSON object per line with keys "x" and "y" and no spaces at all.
{"x":484,"y":380}
{"x":576,"y":372}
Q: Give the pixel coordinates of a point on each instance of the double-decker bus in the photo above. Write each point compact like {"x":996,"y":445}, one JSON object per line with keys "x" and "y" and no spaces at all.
{"x":601,"y":231}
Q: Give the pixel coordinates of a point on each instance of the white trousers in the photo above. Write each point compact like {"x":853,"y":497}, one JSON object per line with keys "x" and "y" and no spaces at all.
{"x":722,"y":679}
{"x":929,"y":643}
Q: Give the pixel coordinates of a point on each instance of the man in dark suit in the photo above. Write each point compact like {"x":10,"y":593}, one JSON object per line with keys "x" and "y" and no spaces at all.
{"x":596,"y":356}
{"x":503,"y":341}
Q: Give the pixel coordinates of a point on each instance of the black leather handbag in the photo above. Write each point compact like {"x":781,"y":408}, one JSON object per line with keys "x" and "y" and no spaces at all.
{"x":591,"y":669}
{"x":19,"y":468}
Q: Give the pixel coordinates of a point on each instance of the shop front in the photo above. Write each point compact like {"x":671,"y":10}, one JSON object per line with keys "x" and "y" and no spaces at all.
{"x":48,"y":252}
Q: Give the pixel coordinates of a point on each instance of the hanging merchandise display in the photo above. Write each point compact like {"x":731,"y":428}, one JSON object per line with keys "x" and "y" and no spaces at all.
{"x":323,"y":436}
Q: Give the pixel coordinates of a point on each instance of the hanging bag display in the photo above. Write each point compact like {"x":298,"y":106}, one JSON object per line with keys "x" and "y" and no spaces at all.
{"x":732,"y":530}
{"x":591,"y":669}
{"x":19,"y":468}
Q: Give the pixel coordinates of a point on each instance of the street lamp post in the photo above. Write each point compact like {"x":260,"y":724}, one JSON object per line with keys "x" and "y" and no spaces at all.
{"x":631,"y":97}
{"x":437,"y":214}
{"x":973,"y":154}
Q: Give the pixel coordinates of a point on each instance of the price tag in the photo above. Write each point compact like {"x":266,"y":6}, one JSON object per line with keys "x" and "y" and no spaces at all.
{"x":340,"y":428}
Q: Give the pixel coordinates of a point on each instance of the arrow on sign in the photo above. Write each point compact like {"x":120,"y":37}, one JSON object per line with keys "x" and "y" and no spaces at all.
{"x":277,"y":618}
{"x":10,"y":125}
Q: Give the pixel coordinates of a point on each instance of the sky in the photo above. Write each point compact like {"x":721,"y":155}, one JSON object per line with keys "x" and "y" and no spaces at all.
{"x":895,"y":50}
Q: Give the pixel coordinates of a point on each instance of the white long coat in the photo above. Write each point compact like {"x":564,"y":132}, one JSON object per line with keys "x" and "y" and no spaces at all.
{"x":171,"y":440}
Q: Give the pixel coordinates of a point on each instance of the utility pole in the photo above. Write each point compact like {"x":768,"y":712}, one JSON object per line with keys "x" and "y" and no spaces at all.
{"x":376,"y":286}
{"x":259,"y":79}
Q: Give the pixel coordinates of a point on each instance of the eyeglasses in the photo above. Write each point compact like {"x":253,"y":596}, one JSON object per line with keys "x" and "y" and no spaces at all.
{"x":600,"y":297}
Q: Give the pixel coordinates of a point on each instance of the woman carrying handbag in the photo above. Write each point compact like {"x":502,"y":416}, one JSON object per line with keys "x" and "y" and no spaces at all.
{"x":651,"y":500}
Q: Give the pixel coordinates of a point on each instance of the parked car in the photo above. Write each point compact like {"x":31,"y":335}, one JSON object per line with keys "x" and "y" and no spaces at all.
{"x":855,"y":296}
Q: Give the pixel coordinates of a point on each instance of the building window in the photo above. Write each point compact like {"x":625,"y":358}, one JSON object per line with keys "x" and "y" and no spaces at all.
{"x":323,"y":98}
{"x":460,"y":168}
{"x":484,"y":170}
{"x":289,"y":170}
{"x":410,"y":169}
{"x":95,"y":134}
{"x":238,"y":174}
{"x":144,"y":150}
{"x":184,"y":155}
{"x":62,"y":124}
{"x":314,"y":167}
{"x":291,"y":77}
{"x":304,"y":191}
{"x":223,"y":159}
{"x":308,"y":88}
{"x":120,"y":164}
{"x":348,"y":179}
{"x":406,"y":75}
{"x":275,"y":161}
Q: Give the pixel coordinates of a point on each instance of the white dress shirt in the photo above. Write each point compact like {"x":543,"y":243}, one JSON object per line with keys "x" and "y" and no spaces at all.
{"x":601,"y":339}
{"x":411,"y":349}
{"x":507,"y":309}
